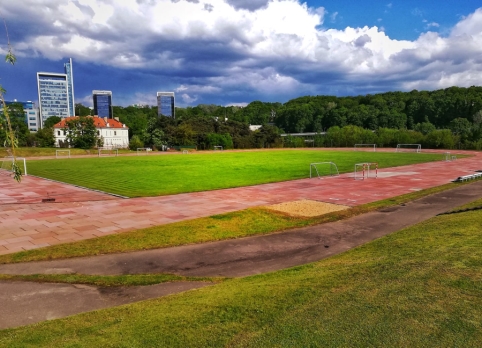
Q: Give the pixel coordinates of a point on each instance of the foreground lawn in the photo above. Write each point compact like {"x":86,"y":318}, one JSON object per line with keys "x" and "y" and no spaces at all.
{"x":238,"y":224}
{"x":153,"y":175}
{"x":420,"y":287}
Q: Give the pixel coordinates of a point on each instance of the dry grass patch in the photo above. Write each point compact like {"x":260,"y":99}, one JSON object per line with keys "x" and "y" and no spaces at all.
{"x":306,"y":208}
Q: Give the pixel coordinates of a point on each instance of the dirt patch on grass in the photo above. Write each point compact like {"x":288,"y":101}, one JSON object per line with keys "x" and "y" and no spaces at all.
{"x":306,"y":208}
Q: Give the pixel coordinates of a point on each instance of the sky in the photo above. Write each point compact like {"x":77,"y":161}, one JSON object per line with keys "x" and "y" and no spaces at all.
{"x":233,"y":52}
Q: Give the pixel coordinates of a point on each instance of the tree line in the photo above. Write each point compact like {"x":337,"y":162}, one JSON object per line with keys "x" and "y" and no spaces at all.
{"x":449,"y":118}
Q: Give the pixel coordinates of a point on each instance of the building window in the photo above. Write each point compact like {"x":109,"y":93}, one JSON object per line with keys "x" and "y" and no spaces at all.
{"x":58,"y":132}
{"x":115,"y":132}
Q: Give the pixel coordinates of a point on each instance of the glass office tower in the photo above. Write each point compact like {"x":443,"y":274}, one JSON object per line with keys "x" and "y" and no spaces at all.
{"x":53,"y":95}
{"x":30,"y":111}
{"x":70,"y":86}
{"x":103,"y":103}
{"x":165,"y":104}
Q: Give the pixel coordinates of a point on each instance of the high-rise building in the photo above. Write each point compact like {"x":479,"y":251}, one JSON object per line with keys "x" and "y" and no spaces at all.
{"x":103,"y":103}
{"x":165,"y":104}
{"x":30,"y":111}
{"x":53,"y":95}
{"x":70,"y":86}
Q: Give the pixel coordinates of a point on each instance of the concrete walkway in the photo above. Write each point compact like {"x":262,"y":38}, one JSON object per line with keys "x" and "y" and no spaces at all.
{"x":29,"y":226}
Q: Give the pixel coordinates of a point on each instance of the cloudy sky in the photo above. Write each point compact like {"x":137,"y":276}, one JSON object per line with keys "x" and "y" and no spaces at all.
{"x":235,"y":51}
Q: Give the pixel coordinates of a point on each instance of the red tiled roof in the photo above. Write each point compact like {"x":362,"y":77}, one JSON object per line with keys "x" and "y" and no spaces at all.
{"x":98,"y":121}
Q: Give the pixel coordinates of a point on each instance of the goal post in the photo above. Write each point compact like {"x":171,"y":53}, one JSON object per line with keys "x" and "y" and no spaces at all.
{"x":366,"y":170}
{"x":366,"y":146}
{"x":62,"y":153}
{"x":108,"y":151}
{"x":409,"y":148}
{"x":218,"y":148}
{"x":324,"y":169}
{"x":140,"y":150}
{"x":6,"y":164}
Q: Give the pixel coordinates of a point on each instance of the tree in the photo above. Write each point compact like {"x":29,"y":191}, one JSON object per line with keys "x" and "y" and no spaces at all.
{"x":45,"y":137}
{"x":10,"y":58}
{"x":81,"y":110}
{"x":81,"y":132}
{"x":135,"y":143}
{"x":52,"y":121}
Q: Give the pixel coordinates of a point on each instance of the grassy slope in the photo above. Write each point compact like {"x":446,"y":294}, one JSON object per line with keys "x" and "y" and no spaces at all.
{"x":238,"y":224}
{"x":169,"y":174}
{"x":417,"y":287}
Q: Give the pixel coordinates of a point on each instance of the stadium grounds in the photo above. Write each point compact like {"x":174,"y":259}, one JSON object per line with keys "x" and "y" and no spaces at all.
{"x":144,"y":176}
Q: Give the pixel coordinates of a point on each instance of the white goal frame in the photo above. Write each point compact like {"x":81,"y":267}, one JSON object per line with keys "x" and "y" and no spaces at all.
{"x":143,"y":149}
{"x":449,"y":158}
{"x":358,"y":146}
{"x":333,"y":169}
{"x":57,"y":152}
{"x":185,"y":152}
{"x":414,"y":147}
{"x":218,"y":148}
{"x":112,"y":151}
{"x":363,"y":170}
{"x":18,"y":159}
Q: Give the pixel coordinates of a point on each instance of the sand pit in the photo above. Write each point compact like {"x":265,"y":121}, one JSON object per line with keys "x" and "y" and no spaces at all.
{"x":306,"y":208}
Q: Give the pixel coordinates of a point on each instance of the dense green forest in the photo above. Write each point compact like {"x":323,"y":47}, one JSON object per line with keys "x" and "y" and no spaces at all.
{"x":446,"y":118}
{"x":449,"y":118}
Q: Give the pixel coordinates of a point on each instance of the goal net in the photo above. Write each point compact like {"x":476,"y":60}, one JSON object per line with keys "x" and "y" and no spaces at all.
{"x":368,"y":147}
{"x":323,"y":169}
{"x":218,"y":148}
{"x":6,"y":165}
{"x":108,"y":151}
{"x":449,"y":157}
{"x":366,"y":170}
{"x":409,"y":148}
{"x":62,"y":153}
{"x":143,"y":150}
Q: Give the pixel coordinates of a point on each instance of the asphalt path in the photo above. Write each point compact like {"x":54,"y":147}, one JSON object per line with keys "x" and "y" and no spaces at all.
{"x":231,"y":258}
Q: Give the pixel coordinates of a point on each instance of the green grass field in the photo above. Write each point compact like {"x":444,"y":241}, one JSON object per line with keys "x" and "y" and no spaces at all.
{"x":50,"y":151}
{"x":419,"y":287}
{"x":151,"y":175}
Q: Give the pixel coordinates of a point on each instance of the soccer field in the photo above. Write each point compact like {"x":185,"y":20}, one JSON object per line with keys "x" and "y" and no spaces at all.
{"x":151,"y":175}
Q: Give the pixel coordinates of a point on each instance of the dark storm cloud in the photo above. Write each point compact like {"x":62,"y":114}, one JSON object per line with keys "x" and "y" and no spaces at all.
{"x":250,"y":5}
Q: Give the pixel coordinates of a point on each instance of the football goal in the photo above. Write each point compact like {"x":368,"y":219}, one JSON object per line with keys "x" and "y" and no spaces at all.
{"x":143,"y":150}
{"x":369,"y":147}
{"x":323,"y":169}
{"x":448,"y":157}
{"x":366,"y":170}
{"x":62,"y":153}
{"x":6,"y":165}
{"x":185,"y":152}
{"x":409,"y":148}
{"x":218,"y":148}
{"x":107,"y":151}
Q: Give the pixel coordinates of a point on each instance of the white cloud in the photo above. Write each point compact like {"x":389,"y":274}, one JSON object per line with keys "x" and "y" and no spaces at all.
{"x":432,"y":25}
{"x":333,"y":16}
{"x":187,"y":99}
{"x":234,"y":47}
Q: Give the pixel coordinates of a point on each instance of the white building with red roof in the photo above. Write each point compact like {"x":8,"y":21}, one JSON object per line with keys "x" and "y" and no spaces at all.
{"x":113,"y":133}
